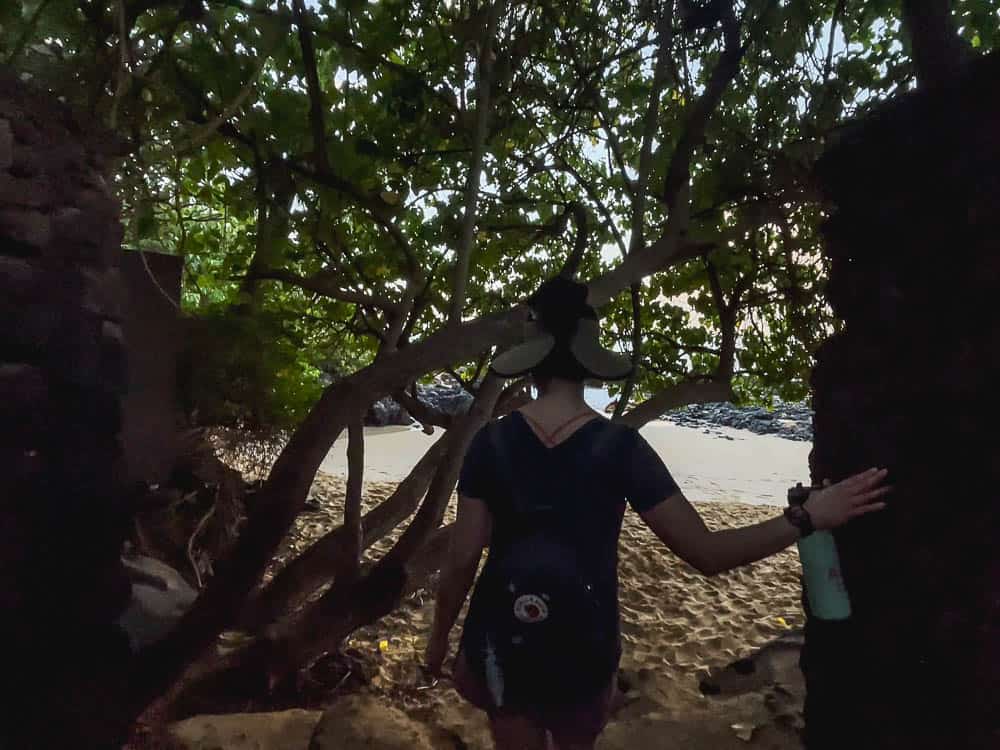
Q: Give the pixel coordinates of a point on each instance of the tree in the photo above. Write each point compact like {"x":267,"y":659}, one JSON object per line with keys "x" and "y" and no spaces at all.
{"x":923,"y":576}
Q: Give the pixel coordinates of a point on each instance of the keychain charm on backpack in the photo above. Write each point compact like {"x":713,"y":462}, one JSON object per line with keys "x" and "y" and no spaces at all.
{"x":824,"y":584}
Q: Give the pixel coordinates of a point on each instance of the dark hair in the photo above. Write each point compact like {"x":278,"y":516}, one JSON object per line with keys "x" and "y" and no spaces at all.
{"x":560,"y":363}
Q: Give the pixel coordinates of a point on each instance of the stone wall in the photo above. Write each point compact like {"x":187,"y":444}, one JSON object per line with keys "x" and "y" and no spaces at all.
{"x":911,"y":385}
{"x":62,"y":374}
{"x":151,"y":413}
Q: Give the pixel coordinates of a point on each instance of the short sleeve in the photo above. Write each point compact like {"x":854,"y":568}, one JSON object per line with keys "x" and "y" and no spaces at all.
{"x":648,"y":481}
{"x":476,"y":477}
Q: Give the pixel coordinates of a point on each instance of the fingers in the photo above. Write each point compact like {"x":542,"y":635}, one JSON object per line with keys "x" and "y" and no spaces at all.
{"x":863,"y":480}
{"x":870,"y":477}
{"x":866,"y":509}
{"x":862,"y":497}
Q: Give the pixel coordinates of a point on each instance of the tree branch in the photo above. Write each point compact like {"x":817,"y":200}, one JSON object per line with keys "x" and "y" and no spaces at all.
{"x":352,"y":498}
{"x":679,"y":173}
{"x":715,"y":285}
{"x":572,"y":265}
{"x":649,"y":128}
{"x":484,"y":71}
{"x":674,"y":397}
{"x":316,"y":108}
{"x":322,"y":561}
{"x":431,"y":511}
{"x":838,"y":11}
{"x":201,"y":136}
{"x":635,"y":292}
{"x":938,"y":50}
{"x":327,"y":287}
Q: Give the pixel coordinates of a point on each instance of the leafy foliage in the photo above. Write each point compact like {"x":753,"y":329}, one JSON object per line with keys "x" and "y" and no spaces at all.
{"x":306,"y":257}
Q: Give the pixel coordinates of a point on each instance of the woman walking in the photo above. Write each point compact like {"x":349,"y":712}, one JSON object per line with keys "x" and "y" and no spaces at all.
{"x":546,"y":489}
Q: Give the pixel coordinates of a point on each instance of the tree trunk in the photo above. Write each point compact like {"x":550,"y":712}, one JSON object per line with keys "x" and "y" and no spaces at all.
{"x":287,"y":646}
{"x":910,"y":385}
{"x":938,"y":51}
{"x":319,"y":564}
{"x":62,"y":373}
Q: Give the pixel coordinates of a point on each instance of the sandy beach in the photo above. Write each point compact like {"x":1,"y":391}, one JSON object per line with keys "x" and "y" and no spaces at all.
{"x":678,"y":626}
{"x":729,"y":466}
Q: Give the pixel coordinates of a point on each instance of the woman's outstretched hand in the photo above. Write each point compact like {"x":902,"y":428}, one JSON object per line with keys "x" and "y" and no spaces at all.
{"x":836,"y":504}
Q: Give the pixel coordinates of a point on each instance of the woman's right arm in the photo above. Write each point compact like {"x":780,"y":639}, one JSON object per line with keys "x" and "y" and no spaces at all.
{"x":676,"y":522}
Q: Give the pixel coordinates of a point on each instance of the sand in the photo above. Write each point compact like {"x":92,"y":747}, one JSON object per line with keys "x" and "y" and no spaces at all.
{"x":678,"y":626}
{"x":729,"y":466}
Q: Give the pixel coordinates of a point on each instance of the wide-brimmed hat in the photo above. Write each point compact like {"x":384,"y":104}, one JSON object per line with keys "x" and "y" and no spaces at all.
{"x":566,"y":325}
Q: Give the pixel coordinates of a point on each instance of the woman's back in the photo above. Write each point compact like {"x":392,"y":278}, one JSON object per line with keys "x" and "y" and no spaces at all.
{"x":557,"y":508}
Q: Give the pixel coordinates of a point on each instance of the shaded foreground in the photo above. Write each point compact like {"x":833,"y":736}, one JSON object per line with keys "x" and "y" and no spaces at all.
{"x":677,"y":626}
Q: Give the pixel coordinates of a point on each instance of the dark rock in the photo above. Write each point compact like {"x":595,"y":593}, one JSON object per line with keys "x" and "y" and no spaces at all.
{"x":790,"y":421}
{"x":385,"y":413}
{"x":443,"y":397}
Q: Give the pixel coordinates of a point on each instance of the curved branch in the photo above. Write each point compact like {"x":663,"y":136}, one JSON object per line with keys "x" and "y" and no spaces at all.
{"x":572,"y":265}
{"x":431,"y":511}
{"x":679,"y":173}
{"x":674,"y":397}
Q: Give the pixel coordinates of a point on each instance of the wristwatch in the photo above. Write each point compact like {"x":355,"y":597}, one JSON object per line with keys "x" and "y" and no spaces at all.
{"x":799,"y":517}
{"x":796,"y":512}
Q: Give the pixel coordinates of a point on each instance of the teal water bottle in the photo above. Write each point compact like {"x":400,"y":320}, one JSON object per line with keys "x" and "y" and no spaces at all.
{"x":824,"y":584}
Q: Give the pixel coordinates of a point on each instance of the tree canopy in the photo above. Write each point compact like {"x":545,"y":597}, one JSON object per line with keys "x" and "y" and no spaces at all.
{"x":343,"y":178}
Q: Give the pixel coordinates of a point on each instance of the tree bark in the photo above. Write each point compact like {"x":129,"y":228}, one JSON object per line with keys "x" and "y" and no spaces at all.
{"x":320,"y":563}
{"x":484,"y":86}
{"x":915,"y":665}
{"x":938,"y":51}
{"x":352,"y":498}
{"x":317,"y":109}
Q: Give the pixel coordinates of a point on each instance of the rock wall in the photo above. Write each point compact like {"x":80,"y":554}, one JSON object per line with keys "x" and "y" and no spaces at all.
{"x":151,"y":415}
{"x":62,"y":374}
{"x":910,"y":384}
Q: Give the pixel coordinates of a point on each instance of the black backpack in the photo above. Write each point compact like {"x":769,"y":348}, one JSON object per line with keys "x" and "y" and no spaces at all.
{"x":550,"y":625}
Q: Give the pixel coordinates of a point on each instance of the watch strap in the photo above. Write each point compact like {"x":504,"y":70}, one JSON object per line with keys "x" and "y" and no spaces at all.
{"x":799,"y":517}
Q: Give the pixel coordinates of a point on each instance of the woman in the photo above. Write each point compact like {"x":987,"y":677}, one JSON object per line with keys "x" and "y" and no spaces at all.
{"x":545,"y":488}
